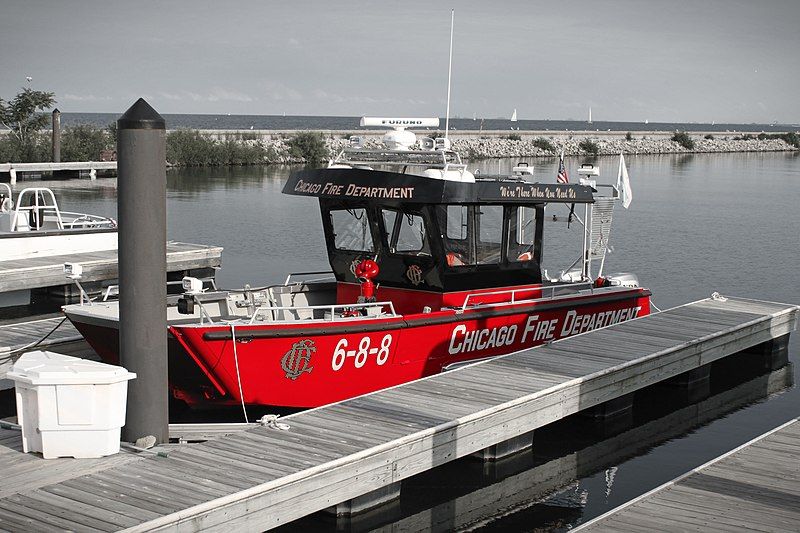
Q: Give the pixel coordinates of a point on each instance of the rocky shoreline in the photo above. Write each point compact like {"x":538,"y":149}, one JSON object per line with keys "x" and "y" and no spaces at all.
{"x":486,"y":145}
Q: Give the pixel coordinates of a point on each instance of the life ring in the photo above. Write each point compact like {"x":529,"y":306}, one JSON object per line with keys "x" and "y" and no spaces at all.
{"x":454,"y":259}
{"x":525,"y":256}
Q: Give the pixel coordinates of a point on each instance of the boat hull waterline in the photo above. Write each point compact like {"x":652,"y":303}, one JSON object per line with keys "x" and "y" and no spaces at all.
{"x":304,"y":365}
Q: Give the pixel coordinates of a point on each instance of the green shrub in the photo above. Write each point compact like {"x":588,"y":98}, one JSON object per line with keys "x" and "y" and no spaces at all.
{"x":192,"y":148}
{"x":514,"y":137}
{"x":35,"y":149}
{"x":709,"y":137}
{"x":684,"y":139}
{"x":589,"y":146}
{"x":628,"y":136}
{"x":84,"y":142}
{"x":791,"y":138}
{"x":309,"y":146}
{"x":544,"y":144}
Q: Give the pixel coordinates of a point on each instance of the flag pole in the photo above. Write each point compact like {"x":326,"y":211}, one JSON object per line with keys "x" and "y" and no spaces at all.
{"x":449,"y":74}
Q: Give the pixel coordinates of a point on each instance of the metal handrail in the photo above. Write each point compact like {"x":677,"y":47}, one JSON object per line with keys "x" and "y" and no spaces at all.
{"x":289,"y":277}
{"x":402,"y":158}
{"x":84,"y":219}
{"x":331,"y":308}
{"x":513,"y":293}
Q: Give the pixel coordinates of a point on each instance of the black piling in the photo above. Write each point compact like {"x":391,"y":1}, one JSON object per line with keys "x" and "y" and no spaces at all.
{"x":56,"y":136}
{"x":141,"y":206}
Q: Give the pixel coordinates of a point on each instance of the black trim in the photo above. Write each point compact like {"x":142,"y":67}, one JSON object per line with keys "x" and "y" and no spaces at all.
{"x":416,"y":322}
{"x":54,"y":233}
{"x":392,"y":188}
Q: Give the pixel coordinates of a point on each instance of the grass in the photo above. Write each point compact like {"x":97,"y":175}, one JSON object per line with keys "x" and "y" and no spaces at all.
{"x":191,"y":148}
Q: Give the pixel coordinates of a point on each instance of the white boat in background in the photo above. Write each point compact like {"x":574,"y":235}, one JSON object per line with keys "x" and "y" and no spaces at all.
{"x":514,"y":115}
{"x":35,"y":226}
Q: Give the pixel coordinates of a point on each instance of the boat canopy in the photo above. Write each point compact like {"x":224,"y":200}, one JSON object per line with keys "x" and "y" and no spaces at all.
{"x":382,"y":187}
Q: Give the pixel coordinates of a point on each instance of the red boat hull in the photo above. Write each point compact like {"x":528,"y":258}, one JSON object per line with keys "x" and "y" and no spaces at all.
{"x":300,"y":366}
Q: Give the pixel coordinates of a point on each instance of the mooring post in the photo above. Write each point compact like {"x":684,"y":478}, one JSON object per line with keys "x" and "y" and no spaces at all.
{"x":141,"y":208}
{"x":56,"y":136}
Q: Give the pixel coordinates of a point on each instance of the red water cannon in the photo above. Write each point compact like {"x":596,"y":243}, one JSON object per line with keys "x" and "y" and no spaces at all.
{"x":365,"y":271}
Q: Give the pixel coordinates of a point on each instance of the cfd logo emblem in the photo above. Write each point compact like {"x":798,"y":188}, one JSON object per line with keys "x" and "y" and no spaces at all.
{"x":414,"y":274}
{"x":297,"y":360}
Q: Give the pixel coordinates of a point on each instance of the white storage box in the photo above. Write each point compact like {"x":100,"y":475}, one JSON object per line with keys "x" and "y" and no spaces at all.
{"x":69,"y":407}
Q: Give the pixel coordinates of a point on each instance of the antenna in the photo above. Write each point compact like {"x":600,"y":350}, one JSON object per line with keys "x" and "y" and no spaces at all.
{"x":449,"y":73}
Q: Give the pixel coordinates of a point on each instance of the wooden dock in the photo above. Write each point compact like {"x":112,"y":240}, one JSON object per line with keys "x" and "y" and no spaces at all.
{"x":265,"y":477}
{"x":48,"y":271}
{"x":90,"y":167}
{"x":753,"y":487}
{"x":17,"y":334}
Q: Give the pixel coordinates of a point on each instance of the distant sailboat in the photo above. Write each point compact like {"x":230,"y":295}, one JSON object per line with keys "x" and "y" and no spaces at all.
{"x":474,"y":117}
{"x":514,"y":115}
{"x":590,"y":114}
{"x":646,"y":121}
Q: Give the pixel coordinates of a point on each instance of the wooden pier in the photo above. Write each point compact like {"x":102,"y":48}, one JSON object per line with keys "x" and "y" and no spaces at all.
{"x":62,"y":337}
{"x":753,"y":487}
{"x":77,"y":167}
{"x":353,"y":450}
{"x":48,"y":271}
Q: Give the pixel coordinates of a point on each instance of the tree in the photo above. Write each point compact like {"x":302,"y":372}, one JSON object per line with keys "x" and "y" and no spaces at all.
{"x":23,"y":117}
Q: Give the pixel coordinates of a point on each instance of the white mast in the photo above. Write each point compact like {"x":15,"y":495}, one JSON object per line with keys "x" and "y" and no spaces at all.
{"x":590,"y":114}
{"x":449,"y":73}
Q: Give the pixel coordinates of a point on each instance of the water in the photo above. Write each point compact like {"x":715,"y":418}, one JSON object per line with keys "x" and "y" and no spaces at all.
{"x":296,"y":122}
{"x":697,"y":224}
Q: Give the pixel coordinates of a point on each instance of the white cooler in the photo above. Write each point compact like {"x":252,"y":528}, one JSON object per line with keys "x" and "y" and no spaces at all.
{"x":69,"y":407}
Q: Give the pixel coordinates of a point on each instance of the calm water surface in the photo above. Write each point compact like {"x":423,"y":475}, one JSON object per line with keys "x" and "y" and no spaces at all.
{"x":698,"y":224}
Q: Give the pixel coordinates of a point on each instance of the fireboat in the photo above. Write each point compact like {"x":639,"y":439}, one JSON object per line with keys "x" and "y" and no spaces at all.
{"x":432,"y":267}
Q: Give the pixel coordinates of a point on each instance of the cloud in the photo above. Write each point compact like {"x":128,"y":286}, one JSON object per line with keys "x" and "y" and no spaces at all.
{"x":277,"y":91}
{"x":319,"y":94}
{"x":217,"y":94}
{"x":85,"y":98}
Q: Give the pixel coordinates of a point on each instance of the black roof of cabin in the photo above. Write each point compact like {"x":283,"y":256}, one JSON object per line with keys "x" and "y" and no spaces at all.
{"x":393,"y":187}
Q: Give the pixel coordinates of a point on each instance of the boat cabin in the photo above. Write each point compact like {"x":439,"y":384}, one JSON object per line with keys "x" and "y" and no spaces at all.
{"x":436,"y":237}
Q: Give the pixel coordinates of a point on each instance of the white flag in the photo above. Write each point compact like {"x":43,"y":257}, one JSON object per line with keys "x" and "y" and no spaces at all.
{"x":623,"y":183}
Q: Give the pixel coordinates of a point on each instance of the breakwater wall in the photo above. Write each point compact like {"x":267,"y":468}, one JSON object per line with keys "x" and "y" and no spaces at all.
{"x":514,"y":143}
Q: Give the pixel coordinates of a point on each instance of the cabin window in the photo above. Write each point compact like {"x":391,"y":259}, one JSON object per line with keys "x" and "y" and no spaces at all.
{"x":405,"y":232}
{"x":457,"y":222}
{"x":490,"y":234}
{"x":455,"y":226}
{"x":522,"y":233}
{"x":351,"y":230}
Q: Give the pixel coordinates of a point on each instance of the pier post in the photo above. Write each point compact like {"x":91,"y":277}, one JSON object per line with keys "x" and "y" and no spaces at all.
{"x":690,"y":387}
{"x":56,"y":136}
{"x":141,"y":207}
{"x":775,"y":352}
{"x":506,"y":448}
{"x":611,"y":417}
{"x":366,"y":502}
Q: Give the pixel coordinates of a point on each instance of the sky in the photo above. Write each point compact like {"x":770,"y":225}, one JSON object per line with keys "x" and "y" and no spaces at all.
{"x":733,"y":61}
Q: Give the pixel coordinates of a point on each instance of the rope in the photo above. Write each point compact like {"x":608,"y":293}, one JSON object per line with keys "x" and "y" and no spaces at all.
{"x":653,"y":304}
{"x":238,"y":377}
{"x":10,"y":355}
